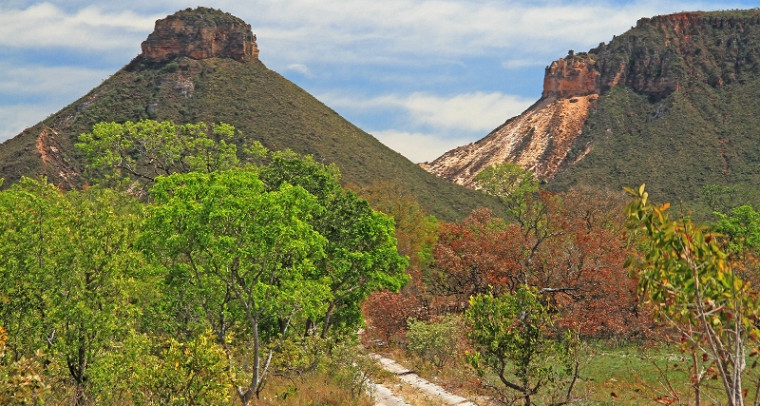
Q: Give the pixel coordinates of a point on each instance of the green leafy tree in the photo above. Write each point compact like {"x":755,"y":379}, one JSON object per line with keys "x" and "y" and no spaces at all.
{"x":28,"y":213}
{"x":74,"y":263}
{"x":512,"y":336}
{"x":741,"y":226}
{"x":691,"y":281}
{"x":141,"y":151}
{"x":360,"y":254}
{"x":415,"y":230}
{"x":93,"y":264}
{"x":247,"y":258}
{"x":511,"y":184}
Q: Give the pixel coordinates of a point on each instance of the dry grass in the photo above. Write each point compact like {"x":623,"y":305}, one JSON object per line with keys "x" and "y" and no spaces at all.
{"x":314,"y":388}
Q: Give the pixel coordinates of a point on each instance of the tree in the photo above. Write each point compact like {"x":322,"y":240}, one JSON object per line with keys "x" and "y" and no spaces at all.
{"x":150,"y":369}
{"x":93,"y":265}
{"x":416,"y":231}
{"x":481,"y":254}
{"x":74,"y":264}
{"x":29,"y":211}
{"x":511,"y":184}
{"x":22,"y":381}
{"x":360,"y":253}
{"x":692,"y":283}
{"x":512,"y":338}
{"x":144,"y":150}
{"x":741,"y":227}
{"x":248,"y":257}
{"x":572,"y":252}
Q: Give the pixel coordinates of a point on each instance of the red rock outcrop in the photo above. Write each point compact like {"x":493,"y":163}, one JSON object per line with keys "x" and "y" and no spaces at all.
{"x":540,"y":138}
{"x":200,"y":34}
{"x":572,"y":76}
{"x":53,"y":159}
{"x":654,"y":59}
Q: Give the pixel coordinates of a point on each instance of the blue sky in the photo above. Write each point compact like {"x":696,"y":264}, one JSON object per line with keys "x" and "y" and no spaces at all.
{"x":421,"y":76}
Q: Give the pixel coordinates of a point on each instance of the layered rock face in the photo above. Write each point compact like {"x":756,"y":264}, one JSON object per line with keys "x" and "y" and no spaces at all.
{"x":571,"y":76}
{"x":656,"y":58}
{"x":200,"y":34}
{"x":538,"y":139}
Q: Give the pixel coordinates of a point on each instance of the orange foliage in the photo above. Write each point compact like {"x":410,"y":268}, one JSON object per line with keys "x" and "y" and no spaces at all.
{"x":570,"y":247}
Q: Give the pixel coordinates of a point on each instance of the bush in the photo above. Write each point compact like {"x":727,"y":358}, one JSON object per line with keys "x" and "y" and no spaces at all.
{"x":386,"y":314}
{"x":514,"y":338}
{"x":435,"y":341}
{"x":167,"y":372}
{"x":21,"y":382}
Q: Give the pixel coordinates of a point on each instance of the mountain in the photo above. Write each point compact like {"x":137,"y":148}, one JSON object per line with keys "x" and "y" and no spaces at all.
{"x":202,"y":65}
{"x":672,"y":103}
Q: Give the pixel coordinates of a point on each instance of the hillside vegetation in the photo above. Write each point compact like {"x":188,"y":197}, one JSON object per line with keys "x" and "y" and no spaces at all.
{"x":683,"y":116}
{"x":260,"y":103}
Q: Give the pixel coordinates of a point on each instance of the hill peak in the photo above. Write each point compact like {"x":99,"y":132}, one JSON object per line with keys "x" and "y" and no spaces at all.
{"x":200,"y":33}
{"x":670,"y":102}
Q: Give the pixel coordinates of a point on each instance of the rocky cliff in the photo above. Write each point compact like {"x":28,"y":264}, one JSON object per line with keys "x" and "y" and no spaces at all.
{"x":677,"y":91}
{"x":201,"y":33}
{"x":540,"y":138}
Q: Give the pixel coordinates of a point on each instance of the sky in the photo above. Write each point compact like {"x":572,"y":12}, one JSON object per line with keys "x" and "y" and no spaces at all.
{"x":422,"y":76}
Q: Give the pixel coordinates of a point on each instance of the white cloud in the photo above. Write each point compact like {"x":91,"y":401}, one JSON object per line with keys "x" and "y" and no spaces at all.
{"x":318,"y":38}
{"x":55,"y":87}
{"x":477,"y":111}
{"x":49,"y":81}
{"x":47,"y":25}
{"x":418,"y":147}
{"x":398,"y":31}
{"x":427,"y":125}
{"x":523,"y":63}
{"x":14,"y":119}
{"x":300,"y":68}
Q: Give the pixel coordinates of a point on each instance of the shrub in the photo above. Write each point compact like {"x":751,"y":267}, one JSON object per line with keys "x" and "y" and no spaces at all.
{"x":21,"y":382}
{"x":435,"y":341}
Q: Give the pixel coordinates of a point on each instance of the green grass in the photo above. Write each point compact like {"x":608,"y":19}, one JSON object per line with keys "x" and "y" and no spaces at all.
{"x":610,"y":374}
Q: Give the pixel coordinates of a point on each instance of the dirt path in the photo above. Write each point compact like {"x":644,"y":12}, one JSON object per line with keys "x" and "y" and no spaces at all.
{"x":418,"y":383}
{"x":384,"y":397}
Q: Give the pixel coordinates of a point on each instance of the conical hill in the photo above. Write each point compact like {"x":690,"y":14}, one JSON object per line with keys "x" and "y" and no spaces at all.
{"x":202,"y":65}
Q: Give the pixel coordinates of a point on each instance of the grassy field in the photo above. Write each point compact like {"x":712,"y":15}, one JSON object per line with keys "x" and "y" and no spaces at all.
{"x":610,"y":374}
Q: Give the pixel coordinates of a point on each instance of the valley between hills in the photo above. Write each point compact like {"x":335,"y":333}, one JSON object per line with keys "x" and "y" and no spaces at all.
{"x":197,"y":229}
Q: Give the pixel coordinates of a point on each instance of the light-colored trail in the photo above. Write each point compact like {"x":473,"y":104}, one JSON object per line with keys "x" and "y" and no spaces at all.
{"x":417,"y":382}
{"x":384,"y":397}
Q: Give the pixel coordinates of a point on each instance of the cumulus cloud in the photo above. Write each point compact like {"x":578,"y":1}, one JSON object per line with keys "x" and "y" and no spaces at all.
{"x":427,"y":125}
{"x":28,"y":94}
{"x":49,"y":81}
{"x":418,"y":147}
{"x":15,"y":118}
{"x":47,"y":25}
{"x":356,"y":31}
{"x":299,"y":68}
{"x":478,"y":111}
